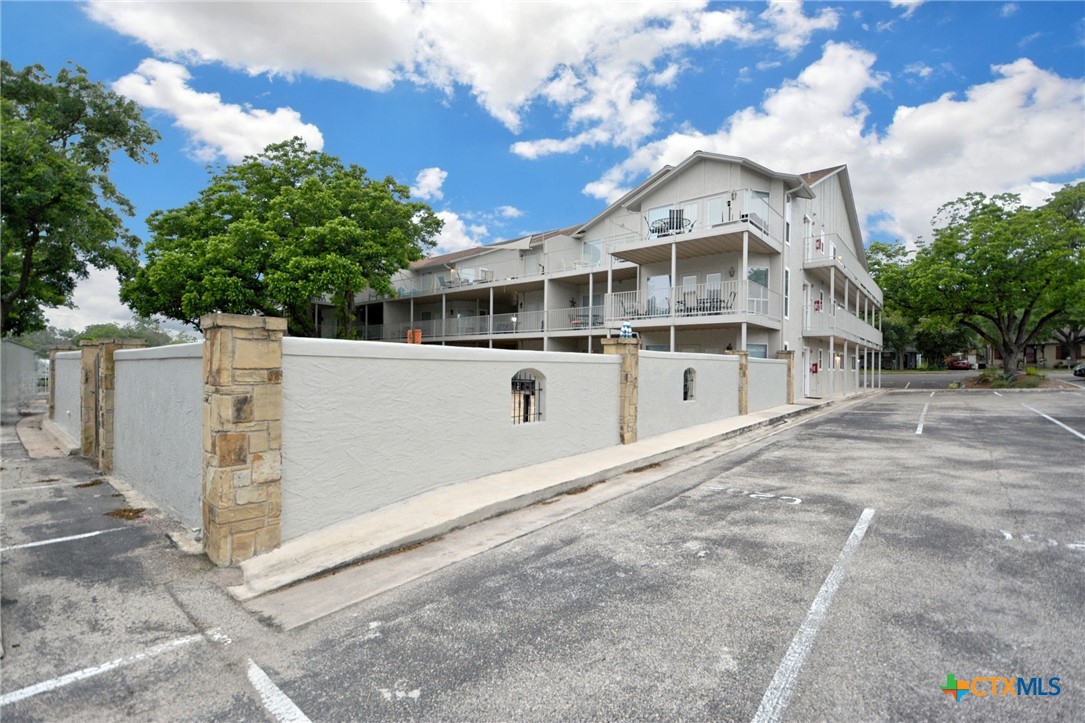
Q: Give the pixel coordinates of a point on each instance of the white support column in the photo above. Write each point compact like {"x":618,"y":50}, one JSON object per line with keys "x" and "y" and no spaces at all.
{"x":444,"y":314}
{"x":412,"y":313}
{"x":490,"y":319}
{"x":546,"y":312}
{"x":742,"y":341}
{"x":591,"y":305}
{"x":832,"y":366}
{"x":610,"y":290}
{"x":674,"y":288}
{"x":844,"y":361}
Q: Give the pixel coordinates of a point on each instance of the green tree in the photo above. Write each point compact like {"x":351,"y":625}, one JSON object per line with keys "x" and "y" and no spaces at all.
{"x":60,"y":212}
{"x":141,"y":328}
{"x":888,"y":266}
{"x":1007,"y":273}
{"x":275,"y":231}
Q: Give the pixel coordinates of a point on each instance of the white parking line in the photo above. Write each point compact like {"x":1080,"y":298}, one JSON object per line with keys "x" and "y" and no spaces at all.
{"x":997,"y":394}
{"x":907,"y":385}
{"x":782,"y":687}
{"x":276,"y":701}
{"x":63,"y":539}
{"x":922,"y":416}
{"x":17,"y":695}
{"x":1071,"y":430}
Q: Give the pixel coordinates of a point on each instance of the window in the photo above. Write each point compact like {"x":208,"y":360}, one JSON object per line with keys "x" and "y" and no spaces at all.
{"x":659,"y":295}
{"x":689,"y":378}
{"x":527,"y":397}
{"x":758,"y":290}
{"x":758,"y":351}
{"x":787,"y":221}
{"x":787,"y":293}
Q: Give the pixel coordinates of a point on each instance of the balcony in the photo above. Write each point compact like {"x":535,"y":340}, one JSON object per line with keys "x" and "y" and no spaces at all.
{"x":839,"y":323}
{"x":729,"y":302}
{"x":704,"y":226}
{"x":828,"y":251}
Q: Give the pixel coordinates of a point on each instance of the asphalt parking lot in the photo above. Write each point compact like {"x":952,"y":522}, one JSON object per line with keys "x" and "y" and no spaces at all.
{"x":835,"y":569}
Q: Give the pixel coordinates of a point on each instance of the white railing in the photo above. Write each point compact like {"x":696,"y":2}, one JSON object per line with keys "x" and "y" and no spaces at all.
{"x":576,"y":317}
{"x":842,"y":323}
{"x":742,"y":205}
{"x":520,"y":322}
{"x":829,"y":249}
{"x":718,"y":299}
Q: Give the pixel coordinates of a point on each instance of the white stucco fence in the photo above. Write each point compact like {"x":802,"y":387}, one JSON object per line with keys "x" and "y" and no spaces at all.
{"x":661,"y":407}
{"x":67,"y":368}
{"x":768,"y":384}
{"x":158,"y":426}
{"x":368,"y":424}
{"x":18,"y":375}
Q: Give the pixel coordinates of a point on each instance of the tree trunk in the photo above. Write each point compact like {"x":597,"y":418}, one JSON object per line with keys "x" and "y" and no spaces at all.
{"x":1010,"y":355}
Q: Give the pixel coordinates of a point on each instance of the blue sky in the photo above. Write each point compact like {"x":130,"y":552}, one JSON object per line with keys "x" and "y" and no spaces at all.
{"x":510,"y":118}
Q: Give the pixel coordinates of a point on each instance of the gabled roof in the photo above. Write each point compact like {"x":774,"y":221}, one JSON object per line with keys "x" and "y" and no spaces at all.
{"x":517,"y":243}
{"x":632,"y":199}
{"x":813,"y":178}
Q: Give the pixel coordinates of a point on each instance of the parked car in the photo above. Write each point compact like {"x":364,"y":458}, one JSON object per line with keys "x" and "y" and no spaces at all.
{"x":1079,"y":370}
{"x":960,"y":364}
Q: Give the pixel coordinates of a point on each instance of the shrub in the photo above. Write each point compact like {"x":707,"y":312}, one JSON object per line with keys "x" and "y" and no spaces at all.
{"x":989,"y":376}
{"x":1028,"y":382}
{"x":1000,"y":383}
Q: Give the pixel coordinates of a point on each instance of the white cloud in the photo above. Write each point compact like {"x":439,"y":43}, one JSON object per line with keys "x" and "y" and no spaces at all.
{"x":1022,"y":126}
{"x":97,"y":301}
{"x":594,"y":63}
{"x":427,"y":185}
{"x":214,"y":127}
{"x":458,"y":235}
{"x":1008,"y":9}
{"x":919,"y":68}
{"x":792,"y":27}
{"x":910,"y":6}
{"x":509,"y":212}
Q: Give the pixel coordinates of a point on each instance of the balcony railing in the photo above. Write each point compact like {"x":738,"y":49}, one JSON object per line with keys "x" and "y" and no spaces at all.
{"x":840,"y":322}
{"x":701,"y":300}
{"x":830,"y":250}
{"x":530,"y":267}
{"x":483,"y":325}
{"x":575,"y":318}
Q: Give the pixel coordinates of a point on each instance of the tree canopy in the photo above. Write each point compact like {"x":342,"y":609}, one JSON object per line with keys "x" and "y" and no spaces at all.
{"x":276,"y":231}
{"x":60,"y":212}
{"x":1008,"y":273}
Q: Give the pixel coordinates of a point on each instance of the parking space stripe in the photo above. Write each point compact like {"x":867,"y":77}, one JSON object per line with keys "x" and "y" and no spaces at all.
{"x":1071,"y":430}
{"x":782,"y":687}
{"x":922,"y":416}
{"x":277,"y":703}
{"x":85,"y":673}
{"x":63,"y":539}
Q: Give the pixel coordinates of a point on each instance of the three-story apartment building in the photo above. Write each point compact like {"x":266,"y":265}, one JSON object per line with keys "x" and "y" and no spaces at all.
{"x":717,"y":253}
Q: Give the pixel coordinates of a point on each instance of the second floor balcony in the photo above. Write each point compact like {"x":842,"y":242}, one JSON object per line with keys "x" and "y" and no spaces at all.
{"x":839,"y":323}
{"x":828,"y":252}
{"x":730,"y":301}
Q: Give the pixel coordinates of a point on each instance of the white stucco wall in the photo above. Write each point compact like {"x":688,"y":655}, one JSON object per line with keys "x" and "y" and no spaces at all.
{"x":158,"y":426}
{"x":66,"y":406}
{"x":18,"y":375}
{"x":768,"y":383}
{"x":367,"y":424}
{"x":660,"y":405}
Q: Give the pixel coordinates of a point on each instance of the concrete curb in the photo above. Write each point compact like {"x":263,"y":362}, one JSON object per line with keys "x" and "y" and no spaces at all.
{"x":441,"y":511}
{"x":60,"y":438}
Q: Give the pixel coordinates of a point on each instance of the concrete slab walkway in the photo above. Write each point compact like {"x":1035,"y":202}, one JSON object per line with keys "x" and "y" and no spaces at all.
{"x":438,"y":512}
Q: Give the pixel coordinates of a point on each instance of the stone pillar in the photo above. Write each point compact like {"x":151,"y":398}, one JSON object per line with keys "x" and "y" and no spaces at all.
{"x":53,"y":351}
{"x":97,"y":390}
{"x":743,"y":380}
{"x":242,"y":435}
{"x":789,"y":355}
{"x":88,"y":398}
{"x":629,"y":351}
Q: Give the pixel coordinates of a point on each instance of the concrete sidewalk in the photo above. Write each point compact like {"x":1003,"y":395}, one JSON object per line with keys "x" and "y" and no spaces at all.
{"x":449,"y":508}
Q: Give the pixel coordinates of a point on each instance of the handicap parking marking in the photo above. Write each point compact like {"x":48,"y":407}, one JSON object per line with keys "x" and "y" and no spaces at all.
{"x":738,"y":492}
{"x":1036,"y":538}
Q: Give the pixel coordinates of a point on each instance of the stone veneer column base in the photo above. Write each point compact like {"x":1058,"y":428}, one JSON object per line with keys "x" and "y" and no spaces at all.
{"x":242,"y":435}
{"x":629,"y":351}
